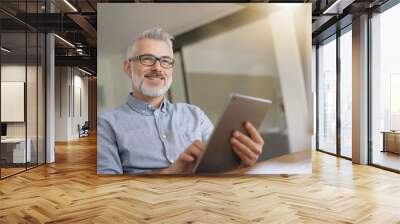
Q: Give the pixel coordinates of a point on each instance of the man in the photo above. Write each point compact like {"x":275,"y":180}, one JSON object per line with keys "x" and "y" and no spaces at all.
{"x":149,"y":134}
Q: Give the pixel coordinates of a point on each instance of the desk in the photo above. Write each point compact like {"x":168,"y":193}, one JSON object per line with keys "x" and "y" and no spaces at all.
{"x":15,"y":148}
{"x":293,"y":163}
{"x":391,"y":141}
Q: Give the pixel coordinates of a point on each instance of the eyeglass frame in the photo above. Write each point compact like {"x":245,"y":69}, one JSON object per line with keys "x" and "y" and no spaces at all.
{"x":138,"y":58}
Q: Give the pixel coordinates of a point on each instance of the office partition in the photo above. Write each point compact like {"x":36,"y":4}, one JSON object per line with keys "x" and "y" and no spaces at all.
{"x":22,"y":78}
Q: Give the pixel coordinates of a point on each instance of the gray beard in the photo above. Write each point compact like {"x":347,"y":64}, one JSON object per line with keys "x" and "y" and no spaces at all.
{"x":138,"y":84}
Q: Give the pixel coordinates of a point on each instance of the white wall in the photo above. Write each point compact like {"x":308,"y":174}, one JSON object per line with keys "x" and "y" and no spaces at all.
{"x":235,"y":52}
{"x":33,"y":126}
{"x":61,"y":103}
{"x":12,"y":73}
{"x":113,"y":85}
{"x":67,"y":117}
{"x":80,"y":84}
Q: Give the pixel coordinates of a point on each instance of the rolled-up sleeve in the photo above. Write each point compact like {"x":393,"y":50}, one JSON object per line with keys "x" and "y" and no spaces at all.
{"x":108,"y":160}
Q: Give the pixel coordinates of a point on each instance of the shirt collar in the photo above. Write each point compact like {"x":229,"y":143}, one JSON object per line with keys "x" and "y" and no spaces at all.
{"x":144,"y":107}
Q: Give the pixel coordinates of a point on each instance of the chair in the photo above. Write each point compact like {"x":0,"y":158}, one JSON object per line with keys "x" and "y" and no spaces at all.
{"x":84,"y":130}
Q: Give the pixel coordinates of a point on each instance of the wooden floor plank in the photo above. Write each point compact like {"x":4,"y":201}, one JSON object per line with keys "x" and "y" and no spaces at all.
{"x":70,"y":191}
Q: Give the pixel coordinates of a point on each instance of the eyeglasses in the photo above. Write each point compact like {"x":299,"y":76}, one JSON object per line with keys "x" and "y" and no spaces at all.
{"x":150,"y":60}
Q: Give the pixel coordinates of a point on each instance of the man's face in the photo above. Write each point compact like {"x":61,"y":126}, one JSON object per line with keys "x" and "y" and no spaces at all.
{"x":153,"y":80}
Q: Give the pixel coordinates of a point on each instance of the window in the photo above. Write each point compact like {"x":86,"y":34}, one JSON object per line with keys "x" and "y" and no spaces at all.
{"x":385,"y":89}
{"x":346,"y":93}
{"x":327,"y":96}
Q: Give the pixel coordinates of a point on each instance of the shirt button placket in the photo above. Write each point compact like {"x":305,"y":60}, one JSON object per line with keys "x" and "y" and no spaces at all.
{"x":163,"y":136}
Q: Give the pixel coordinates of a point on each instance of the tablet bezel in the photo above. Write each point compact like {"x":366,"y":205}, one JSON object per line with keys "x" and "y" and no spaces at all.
{"x":242,"y":108}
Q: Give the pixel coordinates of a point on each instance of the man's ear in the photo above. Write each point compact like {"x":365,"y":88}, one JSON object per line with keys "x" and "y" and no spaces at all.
{"x":128,"y":68}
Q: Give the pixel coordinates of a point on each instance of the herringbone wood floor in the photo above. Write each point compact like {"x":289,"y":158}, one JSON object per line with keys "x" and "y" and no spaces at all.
{"x":70,"y":191}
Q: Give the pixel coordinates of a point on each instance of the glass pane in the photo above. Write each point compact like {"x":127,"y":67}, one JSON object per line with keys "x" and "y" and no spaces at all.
{"x":346,"y":94}
{"x":41,"y":98}
{"x":13,"y":86}
{"x":31,"y":97}
{"x":178,"y":85}
{"x":327,"y":96}
{"x":386,"y":89}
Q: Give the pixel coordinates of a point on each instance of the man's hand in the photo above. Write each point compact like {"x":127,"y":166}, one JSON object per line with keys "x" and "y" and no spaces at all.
{"x":247,"y":148}
{"x":186,"y":160}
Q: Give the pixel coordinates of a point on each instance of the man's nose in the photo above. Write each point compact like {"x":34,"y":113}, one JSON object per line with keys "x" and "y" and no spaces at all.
{"x":157,"y":65}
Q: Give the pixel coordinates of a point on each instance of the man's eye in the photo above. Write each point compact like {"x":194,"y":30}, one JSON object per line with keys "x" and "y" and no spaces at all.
{"x":166,"y":61}
{"x":148,"y":58}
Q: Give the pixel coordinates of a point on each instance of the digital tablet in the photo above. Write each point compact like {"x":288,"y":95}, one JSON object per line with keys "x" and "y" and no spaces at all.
{"x":219,"y":155}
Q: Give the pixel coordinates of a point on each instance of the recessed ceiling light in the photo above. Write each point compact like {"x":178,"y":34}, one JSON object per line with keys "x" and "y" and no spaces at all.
{"x":70,"y":5}
{"x":64,"y":40}
{"x":337,"y":7}
{"x":84,"y":71}
{"x":5,"y":50}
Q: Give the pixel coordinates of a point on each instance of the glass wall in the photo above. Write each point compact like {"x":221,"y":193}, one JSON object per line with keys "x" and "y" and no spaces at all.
{"x":41,"y":97}
{"x":385,"y":89}
{"x":13,"y":110}
{"x":327,"y":95}
{"x":335,"y":73}
{"x":22,"y":91}
{"x":31,"y":100}
{"x":346,"y":93}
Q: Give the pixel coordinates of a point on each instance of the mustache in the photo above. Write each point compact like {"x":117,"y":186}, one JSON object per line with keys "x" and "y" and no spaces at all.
{"x":154,"y":75}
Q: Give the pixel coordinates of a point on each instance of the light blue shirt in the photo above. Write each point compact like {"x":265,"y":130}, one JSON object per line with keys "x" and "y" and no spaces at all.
{"x":136,"y":137}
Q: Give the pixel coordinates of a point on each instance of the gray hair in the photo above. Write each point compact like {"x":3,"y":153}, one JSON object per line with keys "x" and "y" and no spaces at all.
{"x":155,"y":33}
